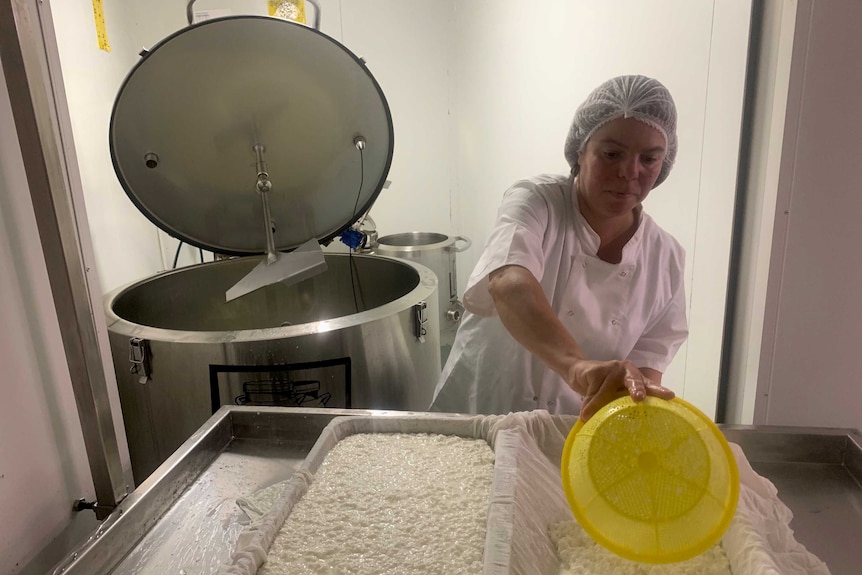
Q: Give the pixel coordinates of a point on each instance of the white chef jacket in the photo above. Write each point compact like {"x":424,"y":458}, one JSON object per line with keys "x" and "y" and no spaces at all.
{"x":632,"y":310}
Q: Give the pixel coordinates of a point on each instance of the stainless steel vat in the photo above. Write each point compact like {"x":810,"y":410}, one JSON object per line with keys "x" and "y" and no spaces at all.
{"x":363,"y":334}
{"x":240,"y":171}
{"x":436,"y":251}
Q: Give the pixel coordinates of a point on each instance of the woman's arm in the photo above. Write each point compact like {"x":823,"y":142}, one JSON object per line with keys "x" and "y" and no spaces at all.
{"x":527,"y":315}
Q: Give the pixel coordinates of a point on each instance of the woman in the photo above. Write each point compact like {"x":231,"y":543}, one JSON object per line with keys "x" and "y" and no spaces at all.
{"x":579,"y":296}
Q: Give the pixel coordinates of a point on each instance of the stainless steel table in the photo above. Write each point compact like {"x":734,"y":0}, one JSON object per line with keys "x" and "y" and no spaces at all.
{"x":818,"y":473}
{"x":183,"y":520}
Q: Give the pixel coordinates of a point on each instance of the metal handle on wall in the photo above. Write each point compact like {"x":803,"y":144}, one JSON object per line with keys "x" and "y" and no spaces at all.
{"x":316,"y":24}
{"x":456,"y":249}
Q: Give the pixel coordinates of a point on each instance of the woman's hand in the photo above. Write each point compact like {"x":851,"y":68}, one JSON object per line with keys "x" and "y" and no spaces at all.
{"x":600,"y":382}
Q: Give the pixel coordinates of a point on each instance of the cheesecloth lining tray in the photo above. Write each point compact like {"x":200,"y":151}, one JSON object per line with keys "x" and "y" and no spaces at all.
{"x":527,"y":496}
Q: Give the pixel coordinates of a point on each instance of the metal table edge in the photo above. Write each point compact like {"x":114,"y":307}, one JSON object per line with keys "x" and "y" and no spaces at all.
{"x":142,"y":508}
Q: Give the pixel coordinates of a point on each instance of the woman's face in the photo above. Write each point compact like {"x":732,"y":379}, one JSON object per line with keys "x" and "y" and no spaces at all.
{"x":618,"y":168}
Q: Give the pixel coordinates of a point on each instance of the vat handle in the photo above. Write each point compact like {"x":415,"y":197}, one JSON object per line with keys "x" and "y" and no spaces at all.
{"x":139,"y":357}
{"x":420,"y":319}
{"x":466,"y":247}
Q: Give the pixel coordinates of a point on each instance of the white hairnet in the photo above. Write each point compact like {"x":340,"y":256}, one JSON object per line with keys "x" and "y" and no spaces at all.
{"x":638,"y":97}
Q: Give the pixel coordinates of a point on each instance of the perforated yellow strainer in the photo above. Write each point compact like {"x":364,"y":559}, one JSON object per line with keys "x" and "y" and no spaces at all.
{"x":653,"y":481}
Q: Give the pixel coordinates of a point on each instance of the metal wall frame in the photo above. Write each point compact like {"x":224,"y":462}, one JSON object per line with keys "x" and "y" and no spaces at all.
{"x":28,"y":76}
{"x":737,"y":238}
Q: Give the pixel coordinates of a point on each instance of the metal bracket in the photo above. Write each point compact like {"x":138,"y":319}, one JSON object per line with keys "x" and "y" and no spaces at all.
{"x":420,"y":318}
{"x":82,"y":504}
{"x":139,"y":357}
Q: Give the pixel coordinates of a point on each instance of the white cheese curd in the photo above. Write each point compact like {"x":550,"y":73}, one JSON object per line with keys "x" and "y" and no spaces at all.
{"x":390,"y":503}
{"x":580,"y":555}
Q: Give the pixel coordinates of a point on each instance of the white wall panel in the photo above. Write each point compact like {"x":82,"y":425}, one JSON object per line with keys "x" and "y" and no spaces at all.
{"x":125,"y":242}
{"x":770,"y":107}
{"x":405,"y":46}
{"x":709,"y":259}
{"x":810,"y":362}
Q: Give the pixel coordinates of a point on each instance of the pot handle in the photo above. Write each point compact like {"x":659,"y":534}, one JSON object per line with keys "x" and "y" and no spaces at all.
{"x":456,"y":249}
{"x":315,"y":24}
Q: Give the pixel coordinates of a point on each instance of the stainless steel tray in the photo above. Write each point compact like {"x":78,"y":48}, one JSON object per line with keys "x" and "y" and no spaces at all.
{"x":183,"y":519}
{"x":818,"y":473}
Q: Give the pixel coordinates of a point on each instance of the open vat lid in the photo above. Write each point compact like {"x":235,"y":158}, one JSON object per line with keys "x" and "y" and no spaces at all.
{"x":188,"y":115}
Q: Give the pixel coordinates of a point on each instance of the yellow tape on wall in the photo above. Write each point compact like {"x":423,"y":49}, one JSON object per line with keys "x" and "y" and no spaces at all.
{"x":101,"y":31}
{"x":288,"y":9}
